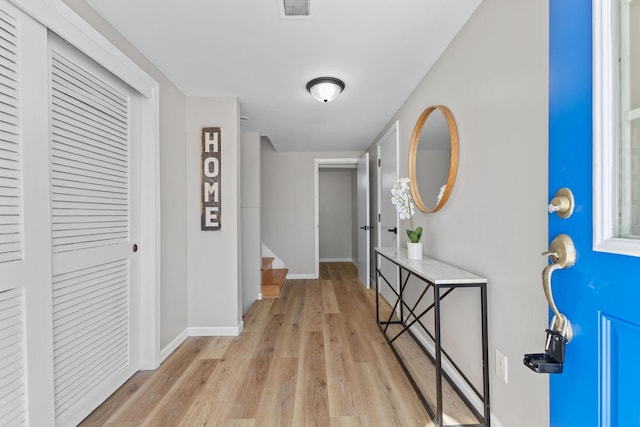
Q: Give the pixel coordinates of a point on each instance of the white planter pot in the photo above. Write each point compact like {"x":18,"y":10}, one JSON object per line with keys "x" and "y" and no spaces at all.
{"x":414,"y":250}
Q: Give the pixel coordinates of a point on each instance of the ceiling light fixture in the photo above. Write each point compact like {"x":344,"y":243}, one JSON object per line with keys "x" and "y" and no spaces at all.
{"x":325,"y":89}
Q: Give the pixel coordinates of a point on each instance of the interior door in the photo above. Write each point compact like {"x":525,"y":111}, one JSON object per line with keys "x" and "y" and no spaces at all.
{"x":600,"y":293}
{"x":388,"y":218}
{"x":364,"y":227}
{"x":26,"y":380}
{"x":94,"y":224}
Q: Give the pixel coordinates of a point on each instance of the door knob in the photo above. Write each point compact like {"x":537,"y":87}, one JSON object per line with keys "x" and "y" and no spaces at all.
{"x":562,"y":253}
{"x":393,"y":230}
{"x":562,"y":204}
{"x":365,"y":227}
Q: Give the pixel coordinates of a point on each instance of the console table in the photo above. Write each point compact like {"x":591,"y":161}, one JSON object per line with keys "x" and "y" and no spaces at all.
{"x":407,"y":319}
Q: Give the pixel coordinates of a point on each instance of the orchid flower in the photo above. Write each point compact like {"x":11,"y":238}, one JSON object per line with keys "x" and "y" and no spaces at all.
{"x":401,"y":199}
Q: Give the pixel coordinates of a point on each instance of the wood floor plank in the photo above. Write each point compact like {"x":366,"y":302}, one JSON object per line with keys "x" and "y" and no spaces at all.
{"x":349,"y":422}
{"x":215,"y":348}
{"x":171,"y":409}
{"x":292,"y":331}
{"x":346,"y":393}
{"x":276,"y":404}
{"x":314,"y":357}
{"x":210,"y":406}
{"x":142,"y":403}
{"x":401,"y":391}
{"x":104,"y":412}
{"x":313,"y":306}
{"x":311,"y":401}
{"x":381,"y":390}
{"x":236,"y":423}
{"x":252,"y":380}
{"x":329,"y":303}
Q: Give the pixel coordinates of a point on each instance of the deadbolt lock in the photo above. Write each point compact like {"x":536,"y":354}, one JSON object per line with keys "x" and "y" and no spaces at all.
{"x":562,"y":204}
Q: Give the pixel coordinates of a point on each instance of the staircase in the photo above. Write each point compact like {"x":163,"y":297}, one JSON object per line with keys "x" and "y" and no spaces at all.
{"x":273,"y":279}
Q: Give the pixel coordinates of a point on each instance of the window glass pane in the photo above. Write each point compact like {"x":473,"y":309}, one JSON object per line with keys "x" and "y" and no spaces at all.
{"x":634,"y":52}
{"x":629,"y":224}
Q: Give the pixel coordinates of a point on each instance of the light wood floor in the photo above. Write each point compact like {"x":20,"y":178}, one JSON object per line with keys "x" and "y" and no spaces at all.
{"x":314,"y":357}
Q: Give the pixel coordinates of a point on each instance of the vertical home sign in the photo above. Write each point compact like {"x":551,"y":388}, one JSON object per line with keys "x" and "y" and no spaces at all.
{"x":211,"y":179}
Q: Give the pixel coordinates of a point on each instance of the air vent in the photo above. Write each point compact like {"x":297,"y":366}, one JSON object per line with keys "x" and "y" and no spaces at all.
{"x":296,"y":7}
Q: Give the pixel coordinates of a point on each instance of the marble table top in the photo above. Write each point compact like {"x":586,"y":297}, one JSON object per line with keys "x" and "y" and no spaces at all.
{"x":434,"y":271}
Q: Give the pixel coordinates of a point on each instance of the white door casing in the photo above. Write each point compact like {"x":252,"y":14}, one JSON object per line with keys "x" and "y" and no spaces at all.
{"x":388,"y":218}
{"x":364,"y":224}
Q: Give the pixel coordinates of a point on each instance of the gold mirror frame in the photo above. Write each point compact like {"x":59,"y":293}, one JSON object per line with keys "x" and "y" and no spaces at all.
{"x":413,"y":155}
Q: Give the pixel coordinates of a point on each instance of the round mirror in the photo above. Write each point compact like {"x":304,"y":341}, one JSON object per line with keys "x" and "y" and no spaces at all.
{"x":433,"y":158}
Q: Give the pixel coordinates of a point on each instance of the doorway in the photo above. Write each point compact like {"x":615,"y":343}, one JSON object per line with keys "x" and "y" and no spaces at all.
{"x":340,"y":173}
{"x":338,"y":215}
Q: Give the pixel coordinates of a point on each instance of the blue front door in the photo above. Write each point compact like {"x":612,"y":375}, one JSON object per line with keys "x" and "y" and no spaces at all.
{"x":600,"y":294}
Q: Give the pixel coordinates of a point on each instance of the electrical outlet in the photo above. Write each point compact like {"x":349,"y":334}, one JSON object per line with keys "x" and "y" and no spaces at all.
{"x":502,"y":366}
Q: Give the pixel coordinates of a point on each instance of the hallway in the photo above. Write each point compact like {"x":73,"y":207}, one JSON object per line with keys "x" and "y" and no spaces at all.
{"x":311,"y":358}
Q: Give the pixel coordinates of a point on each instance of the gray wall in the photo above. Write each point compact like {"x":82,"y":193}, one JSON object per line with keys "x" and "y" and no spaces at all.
{"x":173,"y":315}
{"x":336,"y":216}
{"x":214,"y":261}
{"x":494,"y":78}
{"x":250,"y":212}
{"x":354,"y":215}
{"x":287,"y":205}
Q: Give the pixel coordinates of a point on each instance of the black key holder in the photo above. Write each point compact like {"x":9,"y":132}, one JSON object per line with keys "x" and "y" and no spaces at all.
{"x":552,"y":360}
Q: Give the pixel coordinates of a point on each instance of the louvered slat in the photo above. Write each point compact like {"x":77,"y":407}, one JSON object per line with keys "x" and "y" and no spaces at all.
{"x":89,"y":159}
{"x":11,"y":235}
{"x":12,"y":359}
{"x":90,"y":327}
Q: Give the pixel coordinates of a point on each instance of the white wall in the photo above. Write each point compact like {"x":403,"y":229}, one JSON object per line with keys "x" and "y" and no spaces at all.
{"x":213,"y":260}
{"x":336,"y":214}
{"x":287,"y":205}
{"x":494,"y":78}
{"x":251,"y":217}
{"x":173,"y":316}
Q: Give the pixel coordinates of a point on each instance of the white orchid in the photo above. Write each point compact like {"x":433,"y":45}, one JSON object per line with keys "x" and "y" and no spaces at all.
{"x":441,"y":193}
{"x":401,"y":199}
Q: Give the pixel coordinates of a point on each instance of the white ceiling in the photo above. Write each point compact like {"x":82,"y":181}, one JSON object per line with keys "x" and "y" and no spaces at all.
{"x":381,"y":49}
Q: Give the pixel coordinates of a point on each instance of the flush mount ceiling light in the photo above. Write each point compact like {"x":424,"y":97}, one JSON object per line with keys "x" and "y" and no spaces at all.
{"x":325,"y":89}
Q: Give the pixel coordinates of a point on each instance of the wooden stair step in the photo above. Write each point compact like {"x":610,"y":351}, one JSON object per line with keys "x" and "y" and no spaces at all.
{"x":273,"y":281}
{"x":266,"y":263}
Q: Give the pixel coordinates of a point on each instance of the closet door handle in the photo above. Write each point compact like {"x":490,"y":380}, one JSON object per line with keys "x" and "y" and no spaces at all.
{"x":393,"y":230}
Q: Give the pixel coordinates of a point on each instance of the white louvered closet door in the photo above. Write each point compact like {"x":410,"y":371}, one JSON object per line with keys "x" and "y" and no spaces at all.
{"x":93,"y":231}
{"x":23,"y":241}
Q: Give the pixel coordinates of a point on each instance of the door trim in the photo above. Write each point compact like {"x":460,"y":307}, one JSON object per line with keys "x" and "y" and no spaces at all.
{"x":395,"y":127}
{"x":58,"y":17}
{"x":317,"y":164}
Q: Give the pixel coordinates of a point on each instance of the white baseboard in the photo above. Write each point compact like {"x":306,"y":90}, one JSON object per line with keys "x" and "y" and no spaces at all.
{"x":336,"y":260}
{"x":301,"y":276}
{"x":200,"y":331}
{"x":216,"y":331}
{"x":259,"y":296}
{"x":354,"y":262}
{"x":173,"y":345}
{"x":495,"y":422}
